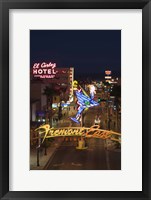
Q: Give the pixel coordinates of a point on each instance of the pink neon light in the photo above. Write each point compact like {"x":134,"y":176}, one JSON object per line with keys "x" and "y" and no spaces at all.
{"x":44,"y":70}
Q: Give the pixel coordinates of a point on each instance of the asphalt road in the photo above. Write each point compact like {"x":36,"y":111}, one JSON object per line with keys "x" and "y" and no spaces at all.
{"x":95,"y":157}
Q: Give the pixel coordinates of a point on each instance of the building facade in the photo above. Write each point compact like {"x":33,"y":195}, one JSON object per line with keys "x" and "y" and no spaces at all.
{"x":60,"y":89}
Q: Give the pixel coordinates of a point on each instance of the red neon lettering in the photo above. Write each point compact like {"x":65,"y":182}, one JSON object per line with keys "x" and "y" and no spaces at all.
{"x":43,"y":65}
{"x":45,"y":71}
{"x":49,"y":71}
{"x":54,"y":72}
{"x":34,"y":71}
{"x":40,"y":71}
{"x":36,"y":65}
{"x":53,"y":65}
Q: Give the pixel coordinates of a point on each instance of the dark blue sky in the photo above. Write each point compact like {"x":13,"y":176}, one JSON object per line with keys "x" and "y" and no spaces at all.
{"x":88,"y":51}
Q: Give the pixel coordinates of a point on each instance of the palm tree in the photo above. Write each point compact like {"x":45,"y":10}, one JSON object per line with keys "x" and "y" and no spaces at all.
{"x":49,"y":91}
{"x":64,"y":96}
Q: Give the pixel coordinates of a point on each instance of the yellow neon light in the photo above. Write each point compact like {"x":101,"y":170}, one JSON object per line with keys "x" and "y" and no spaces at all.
{"x":92,"y":132}
{"x":76,"y":85}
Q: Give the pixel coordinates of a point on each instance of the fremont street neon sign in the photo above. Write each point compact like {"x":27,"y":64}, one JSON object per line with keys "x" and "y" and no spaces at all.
{"x":45,"y":131}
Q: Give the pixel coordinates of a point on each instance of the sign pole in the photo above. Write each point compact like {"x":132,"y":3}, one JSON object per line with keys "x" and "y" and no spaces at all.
{"x":38,"y":149}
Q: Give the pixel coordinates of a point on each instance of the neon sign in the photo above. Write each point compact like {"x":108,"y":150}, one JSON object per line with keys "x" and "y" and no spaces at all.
{"x":108,"y":72}
{"x":92,"y":91}
{"x":83,"y":100}
{"x":92,"y":132}
{"x":44,"y":70}
{"x":108,"y":77}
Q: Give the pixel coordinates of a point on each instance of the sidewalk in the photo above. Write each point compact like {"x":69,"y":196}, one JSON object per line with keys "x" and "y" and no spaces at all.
{"x":111,"y":146}
{"x":43,"y":159}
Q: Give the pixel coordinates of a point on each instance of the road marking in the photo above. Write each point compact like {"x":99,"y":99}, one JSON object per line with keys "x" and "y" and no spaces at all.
{"x":58,"y":165}
{"x":76,"y":164}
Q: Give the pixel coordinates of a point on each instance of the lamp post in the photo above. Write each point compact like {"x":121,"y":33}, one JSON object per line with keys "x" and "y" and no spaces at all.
{"x":108,"y":115}
{"x":38,"y":148}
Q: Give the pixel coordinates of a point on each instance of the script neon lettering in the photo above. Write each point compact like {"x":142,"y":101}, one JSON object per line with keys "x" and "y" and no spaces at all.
{"x":44,"y":70}
{"x":56,"y":132}
{"x":36,"y":65}
{"x":93,"y":131}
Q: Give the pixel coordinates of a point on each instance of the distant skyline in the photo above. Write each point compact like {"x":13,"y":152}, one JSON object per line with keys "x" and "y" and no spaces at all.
{"x":90,"y":52}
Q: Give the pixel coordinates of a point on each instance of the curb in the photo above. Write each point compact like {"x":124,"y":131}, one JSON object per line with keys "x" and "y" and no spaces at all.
{"x":51,"y":157}
{"x":49,"y":160}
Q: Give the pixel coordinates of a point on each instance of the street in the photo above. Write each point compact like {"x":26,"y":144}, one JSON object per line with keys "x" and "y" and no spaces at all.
{"x":96,"y":157}
{"x":88,"y":120}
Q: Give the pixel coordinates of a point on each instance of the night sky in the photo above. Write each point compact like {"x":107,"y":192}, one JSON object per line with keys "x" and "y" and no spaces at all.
{"x":90,"y":52}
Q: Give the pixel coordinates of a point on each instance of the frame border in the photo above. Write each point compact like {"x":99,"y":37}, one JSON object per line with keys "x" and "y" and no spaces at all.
{"x":5,"y":5}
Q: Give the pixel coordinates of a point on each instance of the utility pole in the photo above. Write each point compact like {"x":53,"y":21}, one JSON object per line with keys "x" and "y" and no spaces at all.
{"x":38,"y":148}
{"x":108,"y":114}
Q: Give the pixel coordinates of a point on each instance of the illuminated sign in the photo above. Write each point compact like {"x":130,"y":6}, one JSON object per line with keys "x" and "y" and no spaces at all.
{"x":108,"y":77}
{"x":108,"y":72}
{"x":54,"y":105}
{"x":44,"y":70}
{"x":92,"y":91}
{"x":64,"y":104}
{"x":83,"y":100}
{"x":92,"y":132}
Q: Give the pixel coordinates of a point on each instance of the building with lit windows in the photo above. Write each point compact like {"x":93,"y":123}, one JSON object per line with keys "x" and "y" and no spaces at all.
{"x":62,"y":91}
